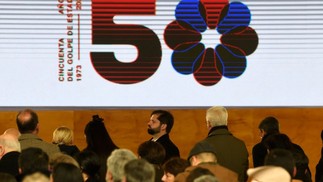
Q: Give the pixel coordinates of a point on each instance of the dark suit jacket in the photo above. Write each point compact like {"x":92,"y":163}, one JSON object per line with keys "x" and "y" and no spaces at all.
{"x":170,"y":148}
{"x":9,"y":163}
{"x":231,"y":152}
{"x":319,"y":169}
{"x":259,"y":152}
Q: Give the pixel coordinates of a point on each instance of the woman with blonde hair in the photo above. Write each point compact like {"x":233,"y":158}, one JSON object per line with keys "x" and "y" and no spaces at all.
{"x":63,"y":137}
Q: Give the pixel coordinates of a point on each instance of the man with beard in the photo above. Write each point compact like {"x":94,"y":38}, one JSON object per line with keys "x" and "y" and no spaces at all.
{"x":159,"y":126}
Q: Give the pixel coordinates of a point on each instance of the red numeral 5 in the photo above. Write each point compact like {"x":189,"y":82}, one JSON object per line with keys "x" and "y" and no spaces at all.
{"x":105,"y":31}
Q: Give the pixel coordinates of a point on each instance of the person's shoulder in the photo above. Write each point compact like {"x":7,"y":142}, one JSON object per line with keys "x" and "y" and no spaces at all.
{"x":69,"y":149}
{"x":28,"y":136}
{"x":13,"y":154}
{"x":258,"y":146}
{"x":229,"y":171}
{"x":166,"y":141}
{"x":297,"y":147}
{"x":49,"y":147}
{"x":221,"y":171}
{"x":181,"y":177}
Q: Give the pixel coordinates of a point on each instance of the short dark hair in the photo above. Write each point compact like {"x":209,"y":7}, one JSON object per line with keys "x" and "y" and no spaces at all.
{"x":197,"y":172}
{"x":175,"y":165}
{"x":89,"y":163}
{"x":7,"y":177}
{"x":32,"y":160}
{"x":165,"y":117}
{"x":153,"y":152}
{"x":27,"y":121}
{"x":322,"y":135}
{"x":282,"y":158}
{"x":278,"y":140}
{"x":269,"y":125}
{"x":65,"y":172}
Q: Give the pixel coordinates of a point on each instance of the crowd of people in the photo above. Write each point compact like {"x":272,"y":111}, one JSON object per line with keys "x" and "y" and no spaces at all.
{"x":220,"y":157}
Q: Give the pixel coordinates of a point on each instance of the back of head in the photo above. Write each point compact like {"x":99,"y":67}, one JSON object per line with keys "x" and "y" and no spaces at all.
{"x":116,"y":162}
{"x":268,"y":174}
{"x":12,"y":131}
{"x":63,"y":135}
{"x":282,"y":158}
{"x":6,"y":177}
{"x":89,"y":163}
{"x":98,"y":138}
{"x":206,"y":178}
{"x":165,"y":117}
{"x":10,"y":143}
{"x":204,"y":151}
{"x":153,"y":152}
{"x":175,"y":165}
{"x":139,"y":170}
{"x":197,"y":172}
{"x":61,"y":157}
{"x":27,"y":121}
{"x":278,"y":140}
{"x":64,"y":172}
{"x":269,"y":125}
{"x":217,"y":116}
{"x":36,"y":177}
{"x":32,"y":160}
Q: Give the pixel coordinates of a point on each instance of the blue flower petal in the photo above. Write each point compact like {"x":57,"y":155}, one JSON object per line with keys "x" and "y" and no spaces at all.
{"x":190,"y":12}
{"x":234,"y":15}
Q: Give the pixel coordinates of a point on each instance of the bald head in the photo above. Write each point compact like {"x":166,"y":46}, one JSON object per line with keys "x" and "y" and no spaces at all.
{"x":12,"y":131}
{"x":27,"y":121}
{"x":8,"y":143}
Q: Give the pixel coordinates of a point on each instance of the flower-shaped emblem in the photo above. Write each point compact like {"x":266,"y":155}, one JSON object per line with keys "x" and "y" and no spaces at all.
{"x":228,"y":58}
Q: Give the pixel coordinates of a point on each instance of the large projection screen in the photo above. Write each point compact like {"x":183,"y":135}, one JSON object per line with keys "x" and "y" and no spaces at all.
{"x":164,"y":53}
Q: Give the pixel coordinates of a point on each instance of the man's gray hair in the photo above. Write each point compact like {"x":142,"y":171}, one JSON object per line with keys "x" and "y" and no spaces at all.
{"x":217,"y":116}
{"x":116,"y":162}
{"x":139,"y":170}
{"x":206,"y":178}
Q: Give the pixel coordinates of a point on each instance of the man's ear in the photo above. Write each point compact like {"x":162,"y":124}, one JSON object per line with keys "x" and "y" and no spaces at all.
{"x":294,"y":172}
{"x":109,"y":176}
{"x":163,"y":126}
{"x":36,"y":131}
{"x":124,"y":179}
{"x":208,"y":125}
{"x":51,"y":178}
{"x":194,"y":161}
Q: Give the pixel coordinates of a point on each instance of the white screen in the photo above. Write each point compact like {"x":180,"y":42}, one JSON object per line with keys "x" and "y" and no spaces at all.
{"x":284,"y":70}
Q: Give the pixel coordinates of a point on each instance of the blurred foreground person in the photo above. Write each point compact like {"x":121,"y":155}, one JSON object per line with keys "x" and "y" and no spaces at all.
{"x":268,"y":174}
{"x":9,"y":154}
{"x":203,"y":155}
{"x":173,"y":167}
{"x":139,"y":170}
{"x":116,"y":162}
